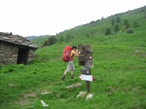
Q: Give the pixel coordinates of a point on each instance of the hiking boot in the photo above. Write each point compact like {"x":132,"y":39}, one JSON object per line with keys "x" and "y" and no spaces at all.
{"x":72,"y":76}
{"x":63,"y":77}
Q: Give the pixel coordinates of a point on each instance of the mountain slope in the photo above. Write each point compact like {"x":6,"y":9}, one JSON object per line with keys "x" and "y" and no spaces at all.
{"x":99,"y":26}
{"x":119,"y":69}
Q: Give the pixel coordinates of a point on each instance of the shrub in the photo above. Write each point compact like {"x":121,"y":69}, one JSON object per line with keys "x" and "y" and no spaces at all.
{"x":107,"y":31}
{"x":87,"y":35}
{"x":118,"y":20}
{"x":51,"y":40}
{"x":126,"y":23}
{"x":113,"y":21}
{"x":61,"y":38}
{"x":116,"y":28}
{"x":135,"y":24}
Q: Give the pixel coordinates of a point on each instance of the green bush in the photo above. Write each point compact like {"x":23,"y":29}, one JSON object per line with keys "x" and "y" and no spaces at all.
{"x":107,"y":31}
{"x":116,"y":28}
{"x":51,"y":40}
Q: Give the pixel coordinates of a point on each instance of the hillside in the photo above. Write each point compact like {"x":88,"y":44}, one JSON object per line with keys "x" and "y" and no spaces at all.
{"x":39,"y":40}
{"x":119,"y":69}
{"x":134,"y":19}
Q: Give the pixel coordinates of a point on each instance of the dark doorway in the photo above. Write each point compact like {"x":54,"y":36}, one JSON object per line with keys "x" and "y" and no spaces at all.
{"x":22,"y":56}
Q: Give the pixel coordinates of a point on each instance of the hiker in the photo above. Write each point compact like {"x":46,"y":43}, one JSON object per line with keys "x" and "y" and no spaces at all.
{"x":70,"y":66}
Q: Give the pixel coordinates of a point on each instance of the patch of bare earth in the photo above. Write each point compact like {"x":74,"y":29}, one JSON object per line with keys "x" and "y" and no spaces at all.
{"x":25,"y":99}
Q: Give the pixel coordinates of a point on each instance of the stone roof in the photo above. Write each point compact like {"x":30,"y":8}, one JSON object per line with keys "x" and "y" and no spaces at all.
{"x":16,"y":39}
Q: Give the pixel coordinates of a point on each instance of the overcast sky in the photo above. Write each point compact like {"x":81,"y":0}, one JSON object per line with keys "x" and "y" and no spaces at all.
{"x":41,"y":17}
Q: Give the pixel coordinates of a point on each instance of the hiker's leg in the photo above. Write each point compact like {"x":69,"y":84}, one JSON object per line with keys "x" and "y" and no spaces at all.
{"x":68,"y":68}
{"x":72,"y":69}
{"x":66,"y":71}
{"x":64,"y":75}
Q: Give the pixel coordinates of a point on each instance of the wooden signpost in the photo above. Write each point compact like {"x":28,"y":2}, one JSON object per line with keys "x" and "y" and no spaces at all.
{"x":85,"y":59}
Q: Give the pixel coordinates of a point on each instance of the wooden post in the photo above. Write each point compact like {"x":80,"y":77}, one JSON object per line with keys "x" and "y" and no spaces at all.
{"x":88,"y":86}
{"x":85,"y":59}
{"x":88,"y":82}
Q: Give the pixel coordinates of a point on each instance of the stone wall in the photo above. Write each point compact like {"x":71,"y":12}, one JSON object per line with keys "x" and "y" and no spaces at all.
{"x":8,"y":54}
{"x":31,"y":55}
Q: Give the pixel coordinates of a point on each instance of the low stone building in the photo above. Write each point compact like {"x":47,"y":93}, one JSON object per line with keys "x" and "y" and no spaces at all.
{"x":15,"y":49}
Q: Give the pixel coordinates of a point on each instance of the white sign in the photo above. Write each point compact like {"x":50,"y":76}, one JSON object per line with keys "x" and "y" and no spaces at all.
{"x":87,"y":77}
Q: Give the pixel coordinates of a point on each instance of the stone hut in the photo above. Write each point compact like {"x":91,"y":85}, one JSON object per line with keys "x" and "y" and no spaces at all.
{"x":15,"y":49}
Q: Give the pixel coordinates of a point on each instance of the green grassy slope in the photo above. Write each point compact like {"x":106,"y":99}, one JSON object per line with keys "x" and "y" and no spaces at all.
{"x":119,"y":69}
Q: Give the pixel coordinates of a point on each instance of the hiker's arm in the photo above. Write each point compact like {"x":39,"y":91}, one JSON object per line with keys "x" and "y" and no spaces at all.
{"x":76,"y":53}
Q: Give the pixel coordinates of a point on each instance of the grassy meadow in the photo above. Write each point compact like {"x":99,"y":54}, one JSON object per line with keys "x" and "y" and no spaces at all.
{"x":119,"y":69}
